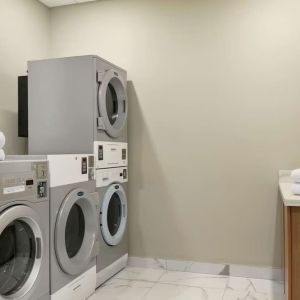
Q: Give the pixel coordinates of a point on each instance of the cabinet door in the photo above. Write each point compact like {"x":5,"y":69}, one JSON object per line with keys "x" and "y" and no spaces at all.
{"x":295,"y":263}
{"x":287,"y":253}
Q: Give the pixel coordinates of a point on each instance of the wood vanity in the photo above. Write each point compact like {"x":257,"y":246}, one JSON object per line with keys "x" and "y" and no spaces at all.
{"x":291,"y":217}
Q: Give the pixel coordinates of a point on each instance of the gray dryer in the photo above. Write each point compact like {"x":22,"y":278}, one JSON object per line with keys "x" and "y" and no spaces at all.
{"x":73,"y":102}
{"x":24,"y":229}
{"x":73,"y":226}
{"x":113,"y":222}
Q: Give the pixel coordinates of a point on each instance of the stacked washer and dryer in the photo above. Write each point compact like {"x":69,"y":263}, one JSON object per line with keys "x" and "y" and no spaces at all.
{"x":77,"y":116}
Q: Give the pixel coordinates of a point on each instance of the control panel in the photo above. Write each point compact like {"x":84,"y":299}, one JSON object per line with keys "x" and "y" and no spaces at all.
{"x":110,"y":154}
{"x":105,"y":177}
{"x":70,"y":168}
{"x":24,"y":180}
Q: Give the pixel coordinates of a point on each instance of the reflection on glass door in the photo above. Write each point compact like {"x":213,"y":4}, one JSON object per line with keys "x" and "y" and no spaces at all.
{"x":17,"y":256}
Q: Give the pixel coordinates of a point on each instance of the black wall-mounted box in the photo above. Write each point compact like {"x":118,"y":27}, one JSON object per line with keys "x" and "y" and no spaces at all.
{"x":23,"y":106}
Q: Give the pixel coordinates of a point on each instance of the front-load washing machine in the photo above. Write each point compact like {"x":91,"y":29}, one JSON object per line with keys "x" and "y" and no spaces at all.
{"x":113,"y":232}
{"x":73,"y":226}
{"x":73,"y":102}
{"x":24,"y":230}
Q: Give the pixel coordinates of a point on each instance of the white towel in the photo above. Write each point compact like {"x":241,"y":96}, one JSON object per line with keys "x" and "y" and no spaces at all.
{"x":295,"y":175}
{"x":2,"y":154}
{"x":296,"y":188}
{"x":2,"y":139}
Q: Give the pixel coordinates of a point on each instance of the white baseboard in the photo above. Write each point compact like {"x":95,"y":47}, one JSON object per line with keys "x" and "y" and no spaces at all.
{"x":111,"y":270}
{"x":208,"y":268}
{"x":80,"y":288}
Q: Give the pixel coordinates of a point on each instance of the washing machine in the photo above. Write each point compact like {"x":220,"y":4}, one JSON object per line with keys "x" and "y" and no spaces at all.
{"x":24,"y":230}
{"x":73,"y":102}
{"x":113,"y":213}
{"x":73,"y":226}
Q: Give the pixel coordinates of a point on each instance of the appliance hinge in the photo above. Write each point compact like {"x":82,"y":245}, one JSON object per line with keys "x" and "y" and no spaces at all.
{"x":100,"y":76}
{"x":100,"y":123}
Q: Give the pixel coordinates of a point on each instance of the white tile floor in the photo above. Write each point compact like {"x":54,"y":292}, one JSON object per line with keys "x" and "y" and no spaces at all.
{"x":151,"y":284}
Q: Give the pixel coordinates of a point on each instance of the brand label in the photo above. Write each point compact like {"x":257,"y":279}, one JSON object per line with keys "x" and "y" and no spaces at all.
{"x":14,"y":189}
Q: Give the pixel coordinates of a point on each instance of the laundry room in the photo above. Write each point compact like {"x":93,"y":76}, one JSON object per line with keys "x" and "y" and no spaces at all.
{"x":149,"y":150}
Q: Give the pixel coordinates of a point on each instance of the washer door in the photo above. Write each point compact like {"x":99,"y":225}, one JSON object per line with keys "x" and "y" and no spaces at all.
{"x":75,"y":232}
{"x":113,"y":215}
{"x":112,"y":103}
{"x":21,"y":248}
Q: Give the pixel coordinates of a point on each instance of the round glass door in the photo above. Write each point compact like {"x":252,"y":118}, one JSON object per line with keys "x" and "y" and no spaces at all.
{"x":112,"y":103}
{"x":113,"y":215}
{"x":17,"y":256}
{"x":75,"y":232}
{"x":75,"y":229}
{"x":20,"y":251}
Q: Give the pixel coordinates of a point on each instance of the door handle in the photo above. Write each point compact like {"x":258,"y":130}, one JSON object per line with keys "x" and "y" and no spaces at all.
{"x":38,"y":248}
{"x":124,"y":106}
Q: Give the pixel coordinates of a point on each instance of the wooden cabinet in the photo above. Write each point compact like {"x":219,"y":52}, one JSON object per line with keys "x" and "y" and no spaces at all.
{"x":292,"y":252}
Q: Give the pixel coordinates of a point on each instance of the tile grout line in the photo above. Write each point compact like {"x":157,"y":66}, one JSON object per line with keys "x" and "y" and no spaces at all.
{"x":155,"y":283}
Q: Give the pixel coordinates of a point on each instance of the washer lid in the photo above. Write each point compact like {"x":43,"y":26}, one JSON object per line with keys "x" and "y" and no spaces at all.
{"x":21,"y":249}
{"x":75,"y":232}
{"x":112,"y":103}
{"x":113,"y":215}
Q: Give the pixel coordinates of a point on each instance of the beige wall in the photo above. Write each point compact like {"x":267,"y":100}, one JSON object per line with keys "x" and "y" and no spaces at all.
{"x":214,"y":114}
{"x":24,"y":35}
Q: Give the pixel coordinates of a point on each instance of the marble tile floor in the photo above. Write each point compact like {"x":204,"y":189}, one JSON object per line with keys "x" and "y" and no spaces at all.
{"x":159,"y":284}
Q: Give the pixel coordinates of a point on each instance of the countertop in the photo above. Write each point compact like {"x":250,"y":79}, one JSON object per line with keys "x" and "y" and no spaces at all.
{"x":285,"y":183}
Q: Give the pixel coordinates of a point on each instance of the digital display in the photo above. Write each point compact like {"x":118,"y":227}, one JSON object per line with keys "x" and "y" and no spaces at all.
{"x":29,"y":182}
{"x":84,"y":165}
{"x":100,"y":152}
{"x":123,"y":154}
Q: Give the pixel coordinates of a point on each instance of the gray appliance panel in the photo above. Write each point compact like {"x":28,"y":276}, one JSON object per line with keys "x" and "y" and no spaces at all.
{"x":62,"y":105}
{"x":109,"y":254}
{"x":59,"y":278}
{"x":23,"y":180}
{"x":45,"y":297}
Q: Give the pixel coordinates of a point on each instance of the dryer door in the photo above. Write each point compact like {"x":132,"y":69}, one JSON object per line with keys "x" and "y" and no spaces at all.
{"x":112,"y":103}
{"x":21,"y":248}
{"x":75,"y":232}
{"x":113,"y":215}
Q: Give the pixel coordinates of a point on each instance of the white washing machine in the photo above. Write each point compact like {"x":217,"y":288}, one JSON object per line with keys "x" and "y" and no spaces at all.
{"x":74,"y":101}
{"x":73,"y":226}
{"x":24,"y":229}
{"x":113,"y":225}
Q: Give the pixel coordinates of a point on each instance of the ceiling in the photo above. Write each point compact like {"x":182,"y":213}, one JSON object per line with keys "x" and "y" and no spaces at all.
{"x":54,"y":3}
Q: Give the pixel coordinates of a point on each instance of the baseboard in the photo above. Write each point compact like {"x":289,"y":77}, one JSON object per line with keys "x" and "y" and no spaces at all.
{"x":208,"y":268}
{"x":81,"y":287}
{"x":111,"y":270}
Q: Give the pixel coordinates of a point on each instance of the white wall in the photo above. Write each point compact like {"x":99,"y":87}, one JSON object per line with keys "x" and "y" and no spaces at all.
{"x":24,"y":35}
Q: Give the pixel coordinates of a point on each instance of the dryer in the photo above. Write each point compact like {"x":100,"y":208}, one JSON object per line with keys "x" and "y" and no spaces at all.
{"x":24,"y":229}
{"x":113,"y":225}
{"x":73,"y":102}
{"x":73,"y":226}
